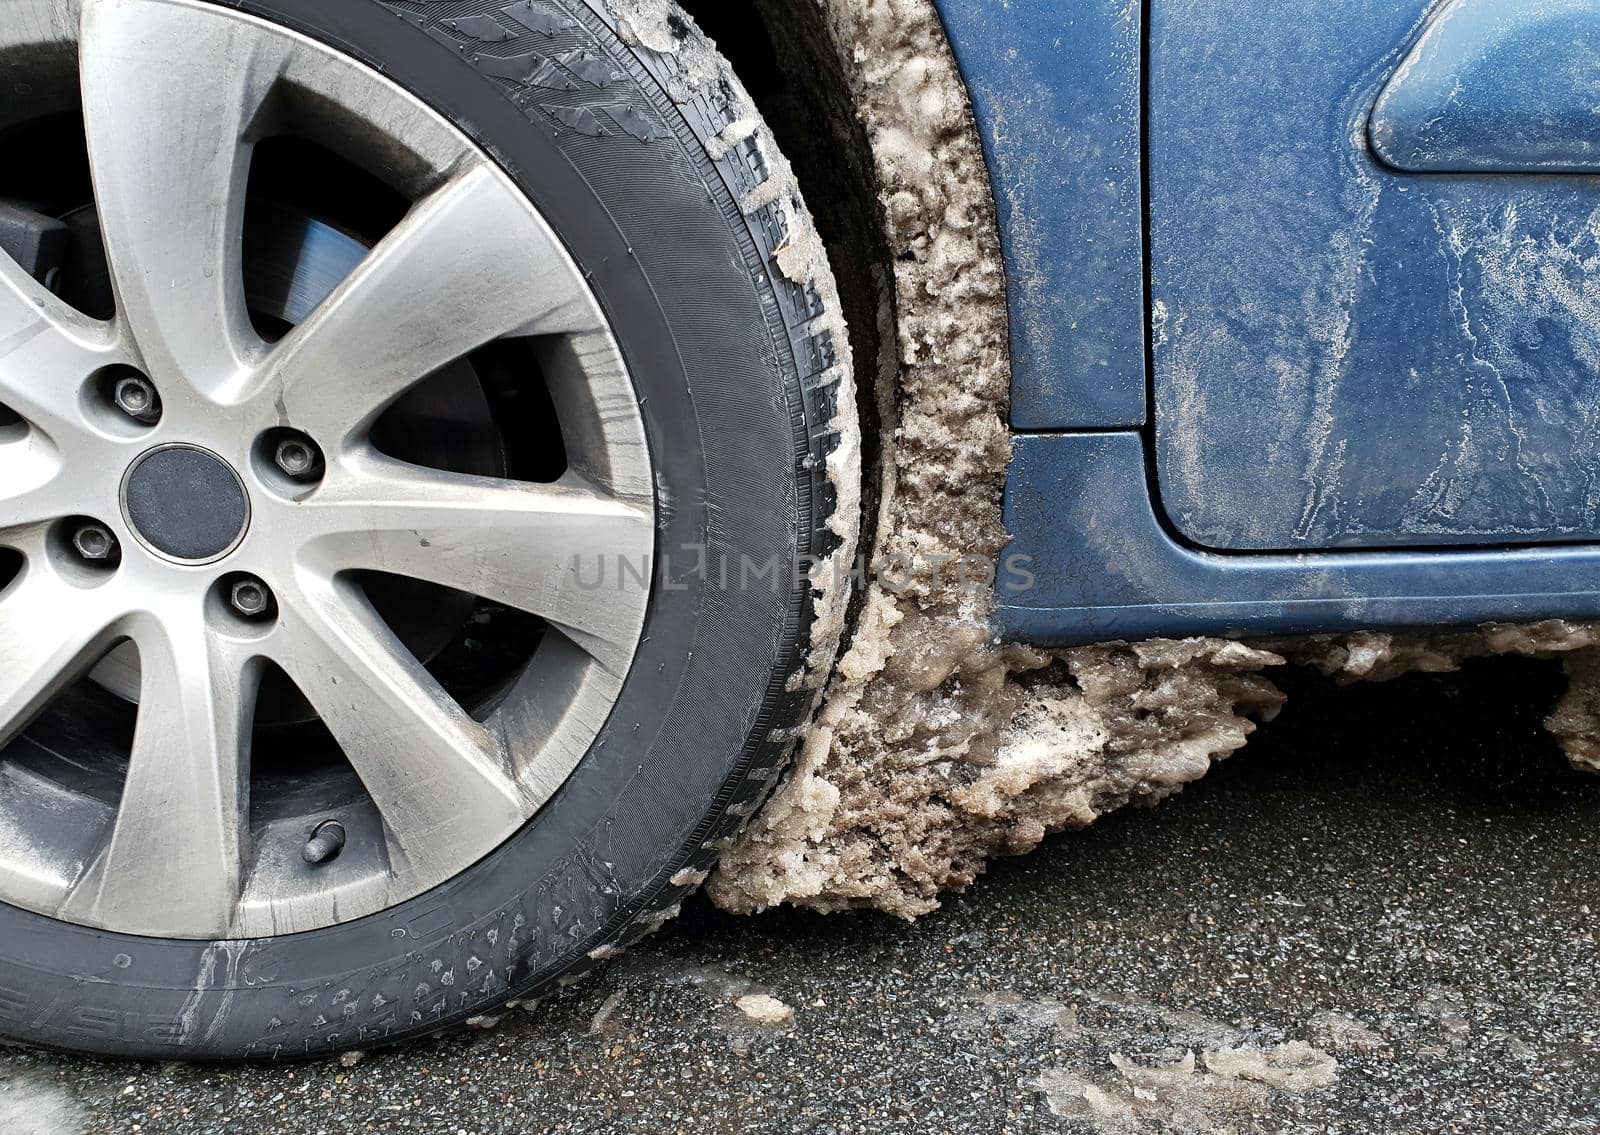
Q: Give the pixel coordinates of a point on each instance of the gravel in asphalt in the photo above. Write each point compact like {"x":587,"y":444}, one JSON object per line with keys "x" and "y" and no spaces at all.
{"x":1380,"y":917}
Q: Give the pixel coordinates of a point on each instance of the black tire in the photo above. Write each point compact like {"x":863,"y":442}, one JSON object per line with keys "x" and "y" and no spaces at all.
{"x":734,"y":365}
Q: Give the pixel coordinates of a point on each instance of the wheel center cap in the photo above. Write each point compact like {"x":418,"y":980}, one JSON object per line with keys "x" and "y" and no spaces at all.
{"x":185,"y":504}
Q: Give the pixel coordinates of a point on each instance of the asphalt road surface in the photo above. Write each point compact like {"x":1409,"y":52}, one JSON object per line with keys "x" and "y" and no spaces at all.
{"x":1379,"y":917}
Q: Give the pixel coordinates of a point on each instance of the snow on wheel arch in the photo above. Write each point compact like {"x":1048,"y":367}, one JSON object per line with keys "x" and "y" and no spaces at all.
{"x":936,"y":747}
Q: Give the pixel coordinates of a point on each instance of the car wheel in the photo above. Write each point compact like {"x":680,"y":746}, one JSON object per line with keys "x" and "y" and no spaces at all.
{"x":409,"y":438}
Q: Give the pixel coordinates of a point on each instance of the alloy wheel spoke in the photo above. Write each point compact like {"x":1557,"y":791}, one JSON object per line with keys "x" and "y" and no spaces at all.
{"x":440,"y":780}
{"x":170,"y":95}
{"x":568,"y":552}
{"x":175,"y":857}
{"x":34,"y":487}
{"x":47,"y":350}
{"x":468,"y":265}
{"x":50,"y":633}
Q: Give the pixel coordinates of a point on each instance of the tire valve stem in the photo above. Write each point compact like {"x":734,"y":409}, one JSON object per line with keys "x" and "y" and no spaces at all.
{"x":325,"y":844}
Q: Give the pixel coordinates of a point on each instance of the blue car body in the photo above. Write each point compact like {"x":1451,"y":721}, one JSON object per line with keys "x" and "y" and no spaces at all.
{"x":1305,"y":310}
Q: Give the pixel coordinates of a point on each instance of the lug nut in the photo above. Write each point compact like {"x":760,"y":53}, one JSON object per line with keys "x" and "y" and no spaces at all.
{"x":251,"y":598}
{"x":326,"y":842}
{"x":135,"y":395}
{"x":94,"y":542}
{"x":298,"y":458}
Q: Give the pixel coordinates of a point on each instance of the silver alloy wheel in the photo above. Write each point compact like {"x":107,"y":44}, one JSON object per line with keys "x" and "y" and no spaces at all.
{"x":175,"y":94}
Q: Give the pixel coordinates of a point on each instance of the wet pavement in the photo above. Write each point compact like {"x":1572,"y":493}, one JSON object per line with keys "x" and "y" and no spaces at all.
{"x":1379,"y":917}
